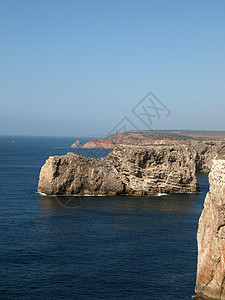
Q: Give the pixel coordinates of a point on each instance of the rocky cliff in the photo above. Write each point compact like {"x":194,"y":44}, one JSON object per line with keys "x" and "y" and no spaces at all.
{"x":100,"y":144}
{"x":77,"y":144}
{"x":205,"y":150}
{"x":136,"y":170}
{"x":211,"y":237}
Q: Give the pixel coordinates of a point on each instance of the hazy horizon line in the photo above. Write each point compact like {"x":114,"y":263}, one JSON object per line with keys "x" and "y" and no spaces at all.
{"x":101,"y":136}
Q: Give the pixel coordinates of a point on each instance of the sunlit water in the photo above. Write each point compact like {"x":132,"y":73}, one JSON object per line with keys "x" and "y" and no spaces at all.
{"x":90,"y":247}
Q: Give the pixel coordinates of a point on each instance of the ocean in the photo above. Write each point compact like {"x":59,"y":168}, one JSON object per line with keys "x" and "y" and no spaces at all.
{"x":124,"y":247}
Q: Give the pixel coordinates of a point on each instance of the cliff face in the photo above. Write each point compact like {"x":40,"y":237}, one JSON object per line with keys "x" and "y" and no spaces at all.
{"x":127,"y":170}
{"x":100,"y":144}
{"x":155,"y":169}
{"x":205,"y":150}
{"x":211,"y":237}
{"x":77,"y":174}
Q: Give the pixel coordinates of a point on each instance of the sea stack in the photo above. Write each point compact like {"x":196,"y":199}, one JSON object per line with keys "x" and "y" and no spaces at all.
{"x":133,"y":170}
{"x":210,"y":282}
{"x":77,"y":144}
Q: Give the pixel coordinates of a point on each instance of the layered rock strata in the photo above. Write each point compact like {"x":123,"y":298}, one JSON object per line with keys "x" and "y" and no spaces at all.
{"x":210,"y":282}
{"x":135,"y":170}
{"x":205,"y":150}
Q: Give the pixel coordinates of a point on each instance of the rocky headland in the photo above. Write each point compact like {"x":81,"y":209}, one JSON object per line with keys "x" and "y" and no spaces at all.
{"x":149,"y":167}
{"x":210,"y":282}
{"x":134,"y":170}
{"x":100,"y":144}
{"x":143,"y":137}
{"x":205,"y":148}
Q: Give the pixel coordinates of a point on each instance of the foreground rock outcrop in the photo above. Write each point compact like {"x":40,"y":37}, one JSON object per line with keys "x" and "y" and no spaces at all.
{"x":145,"y":170}
{"x":210,"y":280}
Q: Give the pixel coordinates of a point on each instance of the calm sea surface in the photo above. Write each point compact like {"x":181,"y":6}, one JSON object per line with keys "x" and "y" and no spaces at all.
{"x":90,"y":247}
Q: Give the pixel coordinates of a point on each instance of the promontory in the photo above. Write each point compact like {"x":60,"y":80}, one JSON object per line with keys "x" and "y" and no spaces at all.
{"x":134,"y":170}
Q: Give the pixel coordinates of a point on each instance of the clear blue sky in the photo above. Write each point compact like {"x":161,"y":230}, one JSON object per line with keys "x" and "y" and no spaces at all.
{"x":78,"y":67}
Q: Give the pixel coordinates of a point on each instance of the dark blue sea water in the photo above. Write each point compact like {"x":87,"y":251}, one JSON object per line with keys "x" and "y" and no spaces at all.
{"x":90,"y":247}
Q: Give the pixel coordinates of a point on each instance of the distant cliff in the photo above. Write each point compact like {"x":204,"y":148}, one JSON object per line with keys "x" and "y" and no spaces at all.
{"x":205,"y":150}
{"x":211,"y":237}
{"x":100,"y":143}
{"x":134,"y":170}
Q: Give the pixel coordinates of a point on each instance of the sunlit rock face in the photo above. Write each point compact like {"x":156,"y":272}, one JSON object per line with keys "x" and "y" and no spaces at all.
{"x":99,"y":144}
{"x":210,"y":280}
{"x":77,"y":144}
{"x":134,"y":170}
{"x":205,"y":151}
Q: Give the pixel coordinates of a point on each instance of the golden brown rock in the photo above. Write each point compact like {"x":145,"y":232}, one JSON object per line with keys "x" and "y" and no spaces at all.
{"x":138,"y":170}
{"x":100,"y":144}
{"x":211,"y":237}
{"x":205,"y":150}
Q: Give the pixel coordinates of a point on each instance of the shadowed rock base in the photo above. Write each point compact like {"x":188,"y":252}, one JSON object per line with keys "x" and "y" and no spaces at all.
{"x":212,"y":295}
{"x":200,"y":296}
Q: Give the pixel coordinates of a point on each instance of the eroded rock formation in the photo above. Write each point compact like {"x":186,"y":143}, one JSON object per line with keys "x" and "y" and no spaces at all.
{"x":77,"y":144}
{"x":211,"y":237}
{"x":136,"y":170}
{"x":205,"y":150}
